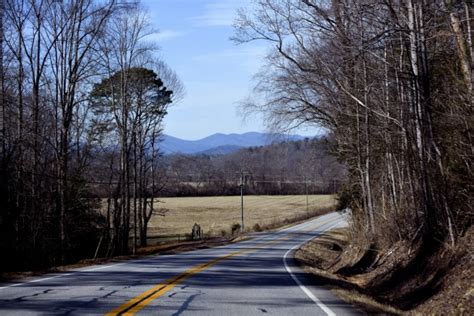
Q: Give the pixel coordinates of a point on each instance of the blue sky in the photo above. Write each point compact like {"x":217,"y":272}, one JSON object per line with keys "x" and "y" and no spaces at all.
{"x":194,"y":41}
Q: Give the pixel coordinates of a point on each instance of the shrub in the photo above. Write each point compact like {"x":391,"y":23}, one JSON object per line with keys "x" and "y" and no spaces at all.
{"x":257,"y":228}
{"x":235,"y":228}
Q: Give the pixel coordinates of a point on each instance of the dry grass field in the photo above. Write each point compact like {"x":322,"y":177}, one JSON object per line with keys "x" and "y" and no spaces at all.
{"x":217,"y":214}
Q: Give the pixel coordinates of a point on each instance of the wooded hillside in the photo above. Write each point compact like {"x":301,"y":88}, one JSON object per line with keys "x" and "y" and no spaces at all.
{"x":293,"y":167}
{"x":79,"y":80}
{"x":393,"y":81}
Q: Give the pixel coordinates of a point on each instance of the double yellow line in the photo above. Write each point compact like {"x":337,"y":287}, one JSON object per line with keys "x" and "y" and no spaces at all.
{"x":139,"y":302}
{"x":142,"y":300}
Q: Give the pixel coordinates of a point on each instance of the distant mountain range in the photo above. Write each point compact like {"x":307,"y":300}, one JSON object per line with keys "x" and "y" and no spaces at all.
{"x":219,"y":144}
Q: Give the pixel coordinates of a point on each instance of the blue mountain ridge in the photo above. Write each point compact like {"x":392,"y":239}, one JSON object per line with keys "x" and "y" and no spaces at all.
{"x":221,"y":143}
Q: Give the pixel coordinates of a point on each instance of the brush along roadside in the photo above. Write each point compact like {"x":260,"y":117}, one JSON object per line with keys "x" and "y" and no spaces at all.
{"x":436,"y":282}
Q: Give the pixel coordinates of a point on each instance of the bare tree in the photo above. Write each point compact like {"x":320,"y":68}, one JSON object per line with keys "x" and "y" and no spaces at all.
{"x":370,"y":73}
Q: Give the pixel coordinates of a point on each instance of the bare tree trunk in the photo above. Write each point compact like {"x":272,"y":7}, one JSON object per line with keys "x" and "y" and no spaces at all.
{"x":368,"y":154}
{"x":464,"y":47}
{"x":418,"y":111}
{"x":2,"y":89}
{"x":135,"y":191}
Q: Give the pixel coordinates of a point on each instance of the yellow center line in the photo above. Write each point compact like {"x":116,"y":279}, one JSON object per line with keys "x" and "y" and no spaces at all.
{"x":142,"y":300}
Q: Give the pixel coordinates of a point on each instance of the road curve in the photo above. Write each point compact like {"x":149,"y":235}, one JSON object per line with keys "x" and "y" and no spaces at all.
{"x":252,"y":277}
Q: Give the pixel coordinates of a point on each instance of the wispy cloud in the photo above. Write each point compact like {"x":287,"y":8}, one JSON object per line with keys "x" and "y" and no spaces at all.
{"x":250,"y":58}
{"x":165,"y":35}
{"x":219,"y":13}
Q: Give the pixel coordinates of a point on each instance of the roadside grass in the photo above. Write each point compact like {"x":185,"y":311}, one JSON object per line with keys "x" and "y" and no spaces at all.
{"x":217,"y":215}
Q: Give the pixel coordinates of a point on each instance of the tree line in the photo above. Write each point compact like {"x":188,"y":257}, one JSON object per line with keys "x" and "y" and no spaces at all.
{"x":291,"y":167}
{"x":393,"y":82}
{"x":79,"y":80}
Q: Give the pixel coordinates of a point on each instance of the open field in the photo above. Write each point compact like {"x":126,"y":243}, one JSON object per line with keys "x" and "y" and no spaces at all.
{"x":217,"y":214}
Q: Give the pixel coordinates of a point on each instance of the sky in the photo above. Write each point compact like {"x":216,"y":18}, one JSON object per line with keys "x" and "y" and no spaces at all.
{"x":194,"y":40}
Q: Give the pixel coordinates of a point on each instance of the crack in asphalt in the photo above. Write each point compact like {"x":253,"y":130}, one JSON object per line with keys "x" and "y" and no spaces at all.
{"x":25,"y":297}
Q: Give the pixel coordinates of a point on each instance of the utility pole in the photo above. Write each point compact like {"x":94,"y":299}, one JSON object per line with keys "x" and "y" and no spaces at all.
{"x":306,"y":192}
{"x":242,"y":180}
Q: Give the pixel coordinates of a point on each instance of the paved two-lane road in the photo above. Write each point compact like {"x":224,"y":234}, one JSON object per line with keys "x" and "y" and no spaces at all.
{"x":252,"y":277}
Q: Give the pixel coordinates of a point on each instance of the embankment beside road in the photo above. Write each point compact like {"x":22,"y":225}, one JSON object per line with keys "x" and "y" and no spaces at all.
{"x":436,"y":280}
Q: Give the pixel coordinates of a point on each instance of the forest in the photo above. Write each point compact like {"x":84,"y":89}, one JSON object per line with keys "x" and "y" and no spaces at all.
{"x":291,"y":167}
{"x":79,"y":80}
{"x":393,"y":82}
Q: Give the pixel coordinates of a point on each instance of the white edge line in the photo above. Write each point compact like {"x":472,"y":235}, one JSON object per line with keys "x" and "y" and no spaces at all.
{"x":304,"y":224}
{"x":326,"y":309}
{"x":61,"y":275}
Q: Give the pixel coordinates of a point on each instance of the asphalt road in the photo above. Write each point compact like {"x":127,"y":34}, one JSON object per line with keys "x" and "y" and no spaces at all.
{"x":252,"y":277}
